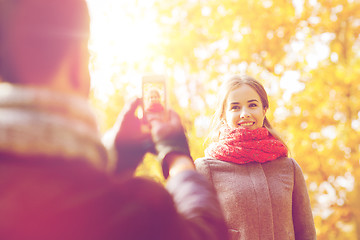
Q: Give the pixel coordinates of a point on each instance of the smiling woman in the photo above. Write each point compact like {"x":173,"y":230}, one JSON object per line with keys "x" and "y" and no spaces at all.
{"x":250,"y":171}
{"x":121,"y":35}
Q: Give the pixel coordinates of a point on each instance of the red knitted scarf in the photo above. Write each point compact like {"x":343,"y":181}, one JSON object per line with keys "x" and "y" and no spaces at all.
{"x":155,"y":107}
{"x":242,"y":146}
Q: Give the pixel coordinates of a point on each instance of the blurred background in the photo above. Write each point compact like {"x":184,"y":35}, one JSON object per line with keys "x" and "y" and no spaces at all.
{"x":305,"y":52}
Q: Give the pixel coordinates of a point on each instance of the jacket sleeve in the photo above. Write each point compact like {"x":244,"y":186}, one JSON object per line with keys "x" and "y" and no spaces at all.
{"x":304,"y":226}
{"x":203,"y":168}
{"x":197,"y":203}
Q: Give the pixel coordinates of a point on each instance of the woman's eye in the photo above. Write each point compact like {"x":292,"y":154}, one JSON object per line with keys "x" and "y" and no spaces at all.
{"x":234,"y":107}
{"x":253,"y":105}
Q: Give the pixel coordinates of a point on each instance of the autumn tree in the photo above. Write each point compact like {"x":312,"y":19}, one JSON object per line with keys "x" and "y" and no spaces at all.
{"x":306,"y":53}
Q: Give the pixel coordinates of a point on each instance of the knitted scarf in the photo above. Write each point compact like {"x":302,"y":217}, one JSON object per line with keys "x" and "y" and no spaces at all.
{"x":242,"y":146}
{"x":155,"y":107}
{"x":36,"y":122}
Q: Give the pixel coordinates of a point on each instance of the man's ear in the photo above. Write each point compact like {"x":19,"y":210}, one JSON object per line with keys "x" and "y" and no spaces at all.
{"x":79,"y":75}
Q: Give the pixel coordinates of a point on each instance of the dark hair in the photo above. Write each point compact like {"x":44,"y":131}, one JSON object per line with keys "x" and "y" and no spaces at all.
{"x":230,"y":84}
{"x":36,"y":35}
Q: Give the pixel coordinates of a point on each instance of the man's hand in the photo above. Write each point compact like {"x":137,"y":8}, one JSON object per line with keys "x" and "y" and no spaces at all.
{"x":171,"y":144}
{"x":133,"y":138}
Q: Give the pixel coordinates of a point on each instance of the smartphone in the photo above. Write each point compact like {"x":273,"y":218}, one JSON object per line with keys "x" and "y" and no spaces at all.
{"x":154,"y":95}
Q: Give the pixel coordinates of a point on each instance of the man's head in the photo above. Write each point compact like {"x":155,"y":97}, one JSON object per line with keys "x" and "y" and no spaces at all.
{"x":44,"y":43}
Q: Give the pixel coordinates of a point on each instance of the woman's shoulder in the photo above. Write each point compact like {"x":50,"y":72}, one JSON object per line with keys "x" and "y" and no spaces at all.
{"x":207,"y":164}
{"x":202,"y":159}
{"x":208,"y":161}
{"x":291,"y":161}
{"x":211,"y":163}
{"x":291,"y":164}
{"x":287,"y":160}
{"x":203,"y":162}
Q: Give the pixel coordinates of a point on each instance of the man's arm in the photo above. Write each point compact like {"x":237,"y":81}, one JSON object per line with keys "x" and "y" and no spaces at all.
{"x":198,"y":205}
{"x":194,"y":197}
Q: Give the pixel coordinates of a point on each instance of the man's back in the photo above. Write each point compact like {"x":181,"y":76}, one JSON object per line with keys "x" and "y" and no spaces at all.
{"x":42,"y":199}
{"x":53,"y":179}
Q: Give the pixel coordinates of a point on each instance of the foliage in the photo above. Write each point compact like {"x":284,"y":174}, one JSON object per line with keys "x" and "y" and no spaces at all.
{"x":306,"y":53}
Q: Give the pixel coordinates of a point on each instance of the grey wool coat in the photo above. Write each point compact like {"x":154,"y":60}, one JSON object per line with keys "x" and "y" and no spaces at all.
{"x":262,"y":200}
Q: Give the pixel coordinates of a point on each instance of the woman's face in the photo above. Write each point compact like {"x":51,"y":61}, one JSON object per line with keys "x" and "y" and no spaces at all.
{"x":244,"y":109}
{"x":154,"y":97}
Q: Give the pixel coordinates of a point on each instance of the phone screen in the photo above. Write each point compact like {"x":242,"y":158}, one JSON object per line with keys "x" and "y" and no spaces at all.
{"x":154,"y":95}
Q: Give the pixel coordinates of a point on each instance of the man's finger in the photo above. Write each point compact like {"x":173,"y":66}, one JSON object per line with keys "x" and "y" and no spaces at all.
{"x":174,"y":118}
{"x":132,"y":105}
{"x":129,"y":109}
